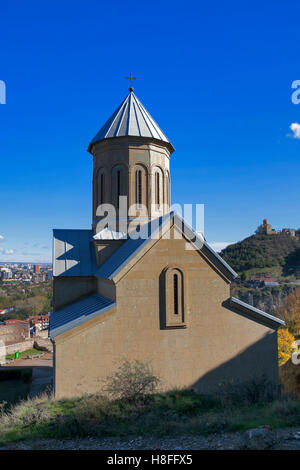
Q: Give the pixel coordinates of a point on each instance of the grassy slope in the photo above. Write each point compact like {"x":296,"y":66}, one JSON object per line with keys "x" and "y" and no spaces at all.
{"x":28,"y":352}
{"x":173,"y":413}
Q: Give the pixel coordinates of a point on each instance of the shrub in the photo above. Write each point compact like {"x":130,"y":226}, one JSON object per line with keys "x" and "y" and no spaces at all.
{"x":252,"y":391}
{"x":132,"y":382}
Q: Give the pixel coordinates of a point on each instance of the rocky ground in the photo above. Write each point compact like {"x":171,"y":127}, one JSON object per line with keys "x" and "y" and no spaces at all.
{"x":255,"y":439}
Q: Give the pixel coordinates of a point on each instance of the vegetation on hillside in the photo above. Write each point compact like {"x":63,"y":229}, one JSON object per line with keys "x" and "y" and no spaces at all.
{"x":285,"y":345}
{"x":25,"y":300}
{"x":265,"y":251}
{"x":236,"y":406}
{"x":290,"y":312}
{"x":175,"y":413}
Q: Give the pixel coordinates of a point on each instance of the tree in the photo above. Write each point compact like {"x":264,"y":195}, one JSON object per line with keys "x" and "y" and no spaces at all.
{"x":290,"y":312}
{"x":285,"y":345}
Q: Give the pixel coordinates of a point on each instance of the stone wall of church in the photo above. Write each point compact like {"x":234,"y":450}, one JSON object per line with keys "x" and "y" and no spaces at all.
{"x":69,"y":289}
{"x":212,"y":345}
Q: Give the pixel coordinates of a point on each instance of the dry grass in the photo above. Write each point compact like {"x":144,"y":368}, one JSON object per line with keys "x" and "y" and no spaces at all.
{"x":180,"y":412}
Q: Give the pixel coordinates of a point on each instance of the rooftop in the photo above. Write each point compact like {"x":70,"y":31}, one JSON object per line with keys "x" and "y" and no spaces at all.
{"x":131,"y":119}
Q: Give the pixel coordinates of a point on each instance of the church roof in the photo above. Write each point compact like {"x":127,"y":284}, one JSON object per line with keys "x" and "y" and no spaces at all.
{"x":79,"y":312}
{"x":132,"y":246}
{"x":74,"y":254}
{"x":109,"y":234}
{"x":131,"y":119}
{"x":258,"y":314}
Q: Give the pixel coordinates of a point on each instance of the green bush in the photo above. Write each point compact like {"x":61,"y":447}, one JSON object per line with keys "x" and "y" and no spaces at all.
{"x":132,"y":382}
{"x":257,"y":390}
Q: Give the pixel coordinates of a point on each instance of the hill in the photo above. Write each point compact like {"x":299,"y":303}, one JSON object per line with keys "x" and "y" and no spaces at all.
{"x":277,"y":254}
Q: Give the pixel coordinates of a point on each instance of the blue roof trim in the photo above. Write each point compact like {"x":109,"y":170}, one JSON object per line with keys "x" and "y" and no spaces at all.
{"x":257,"y":312}
{"x":79,"y":312}
{"x":73,"y":253}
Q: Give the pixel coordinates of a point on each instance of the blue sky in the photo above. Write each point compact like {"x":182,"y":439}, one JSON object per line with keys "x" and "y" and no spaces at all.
{"x":216,"y":76}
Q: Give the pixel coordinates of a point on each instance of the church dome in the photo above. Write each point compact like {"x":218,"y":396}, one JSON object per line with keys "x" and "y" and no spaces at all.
{"x":131,"y":119}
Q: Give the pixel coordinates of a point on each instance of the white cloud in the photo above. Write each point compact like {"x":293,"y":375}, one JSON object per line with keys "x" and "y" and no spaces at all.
{"x":218,"y":246}
{"x":1,"y":238}
{"x":295,"y":127}
{"x":6,"y":251}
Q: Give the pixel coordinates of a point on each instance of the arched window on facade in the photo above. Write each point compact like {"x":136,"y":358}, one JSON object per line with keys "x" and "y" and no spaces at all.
{"x":157,"y":189}
{"x":175,"y":288}
{"x":174,"y":297}
{"x":118,"y":187}
{"x":118,"y":184}
{"x":100,"y":182}
{"x":102,"y":188}
{"x":138,"y":188}
{"x":167,"y":189}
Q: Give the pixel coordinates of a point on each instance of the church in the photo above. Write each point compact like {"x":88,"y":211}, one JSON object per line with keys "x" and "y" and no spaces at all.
{"x":142,"y":284}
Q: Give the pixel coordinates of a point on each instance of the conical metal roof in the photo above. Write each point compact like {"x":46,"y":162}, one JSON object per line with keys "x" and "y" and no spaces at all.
{"x":131,"y":119}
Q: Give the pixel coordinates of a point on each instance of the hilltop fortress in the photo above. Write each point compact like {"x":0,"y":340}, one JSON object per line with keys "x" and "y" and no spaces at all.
{"x":266,"y":229}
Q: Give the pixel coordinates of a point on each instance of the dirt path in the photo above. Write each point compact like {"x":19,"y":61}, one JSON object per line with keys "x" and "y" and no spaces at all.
{"x":42,"y":371}
{"x":261,"y":438}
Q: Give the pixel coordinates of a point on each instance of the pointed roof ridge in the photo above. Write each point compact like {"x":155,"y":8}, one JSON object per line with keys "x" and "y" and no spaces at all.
{"x":133,"y":245}
{"x":131,"y":119}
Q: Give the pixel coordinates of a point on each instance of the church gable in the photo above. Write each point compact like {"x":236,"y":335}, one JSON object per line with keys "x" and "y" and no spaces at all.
{"x":176,"y":281}
{"x":171,"y":282}
{"x":135,"y":247}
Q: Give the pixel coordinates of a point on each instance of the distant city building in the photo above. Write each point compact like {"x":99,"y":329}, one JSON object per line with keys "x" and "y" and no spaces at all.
{"x":262,"y":281}
{"x":40,"y":322}
{"x":39,"y":277}
{"x":5,"y":273}
{"x":36,"y":268}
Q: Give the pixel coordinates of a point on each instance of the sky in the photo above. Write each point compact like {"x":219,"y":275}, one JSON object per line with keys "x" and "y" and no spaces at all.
{"x":216,"y":76}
